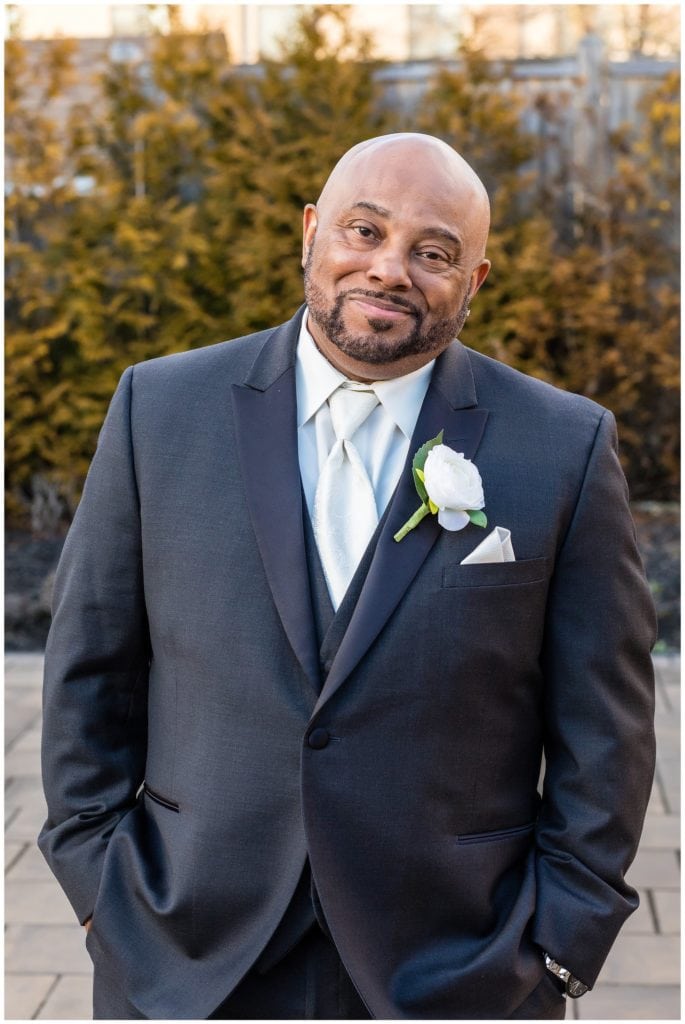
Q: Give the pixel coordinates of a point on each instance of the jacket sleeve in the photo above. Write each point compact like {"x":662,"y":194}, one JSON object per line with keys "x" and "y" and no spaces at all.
{"x":599,"y":722}
{"x":96,"y":668}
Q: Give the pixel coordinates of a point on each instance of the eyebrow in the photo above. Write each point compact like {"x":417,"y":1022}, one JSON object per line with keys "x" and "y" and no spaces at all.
{"x":439,"y":232}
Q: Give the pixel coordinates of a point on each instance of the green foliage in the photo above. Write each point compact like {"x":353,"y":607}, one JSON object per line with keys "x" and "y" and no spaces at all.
{"x":37,"y":212}
{"x":190,"y":232}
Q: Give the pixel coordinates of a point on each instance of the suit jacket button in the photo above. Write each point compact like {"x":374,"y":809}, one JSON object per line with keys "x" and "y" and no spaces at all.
{"x":318,"y":739}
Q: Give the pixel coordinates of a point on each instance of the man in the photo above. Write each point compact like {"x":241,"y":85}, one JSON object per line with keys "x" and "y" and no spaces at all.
{"x":292,"y":762}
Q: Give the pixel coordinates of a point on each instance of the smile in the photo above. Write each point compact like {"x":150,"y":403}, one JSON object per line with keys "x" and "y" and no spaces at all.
{"x":379,"y":309}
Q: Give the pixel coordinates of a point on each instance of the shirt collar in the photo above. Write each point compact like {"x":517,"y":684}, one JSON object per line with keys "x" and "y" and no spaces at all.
{"x":402,"y":397}
{"x":316,"y":380}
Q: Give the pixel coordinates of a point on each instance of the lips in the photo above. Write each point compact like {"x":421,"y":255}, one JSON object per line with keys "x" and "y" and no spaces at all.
{"x":381,"y":309}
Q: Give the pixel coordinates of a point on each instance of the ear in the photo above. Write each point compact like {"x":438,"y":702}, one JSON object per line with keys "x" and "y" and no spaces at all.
{"x":310,"y":220}
{"x":478,"y":276}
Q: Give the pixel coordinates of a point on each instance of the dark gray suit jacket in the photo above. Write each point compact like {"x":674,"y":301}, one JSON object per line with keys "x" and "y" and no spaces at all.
{"x":183,"y":655}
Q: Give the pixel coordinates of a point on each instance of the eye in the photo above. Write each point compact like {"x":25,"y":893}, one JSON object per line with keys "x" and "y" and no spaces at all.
{"x":433,"y":256}
{"x":362,"y":230}
{"x":435,"y":261}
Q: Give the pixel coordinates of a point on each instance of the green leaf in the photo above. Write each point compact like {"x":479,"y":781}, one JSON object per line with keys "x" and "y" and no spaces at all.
{"x":478,"y":518}
{"x":419,"y":484}
{"x":420,"y":461}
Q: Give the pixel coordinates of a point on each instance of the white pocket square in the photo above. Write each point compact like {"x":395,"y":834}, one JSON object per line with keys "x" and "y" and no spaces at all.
{"x":496,"y":547}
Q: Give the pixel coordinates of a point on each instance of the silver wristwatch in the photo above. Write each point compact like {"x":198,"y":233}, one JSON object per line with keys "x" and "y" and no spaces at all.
{"x":574,"y":987}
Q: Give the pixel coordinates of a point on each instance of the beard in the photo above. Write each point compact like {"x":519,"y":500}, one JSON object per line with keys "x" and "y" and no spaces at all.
{"x":371,"y":347}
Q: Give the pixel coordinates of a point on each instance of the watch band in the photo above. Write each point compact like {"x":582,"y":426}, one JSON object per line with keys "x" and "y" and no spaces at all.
{"x":574,"y":987}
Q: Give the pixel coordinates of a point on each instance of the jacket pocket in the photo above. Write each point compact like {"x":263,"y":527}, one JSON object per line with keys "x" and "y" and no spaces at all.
{"x":492,"y":837}
{"x":496,"y":574}
{"x":159,"y":799}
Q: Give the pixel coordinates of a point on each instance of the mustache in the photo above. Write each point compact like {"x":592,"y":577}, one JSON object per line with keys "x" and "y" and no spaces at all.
{"x":397,"y":300}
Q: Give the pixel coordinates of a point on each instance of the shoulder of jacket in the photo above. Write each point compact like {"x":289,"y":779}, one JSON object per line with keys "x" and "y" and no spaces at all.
{"x":492,"y":376}
{"x":232,"y":358}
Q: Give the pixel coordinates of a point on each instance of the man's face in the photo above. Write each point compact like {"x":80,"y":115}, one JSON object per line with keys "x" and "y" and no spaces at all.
{"x":391,"y":261}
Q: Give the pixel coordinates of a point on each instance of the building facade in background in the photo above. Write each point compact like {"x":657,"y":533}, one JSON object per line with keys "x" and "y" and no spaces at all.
{"x":400,"y":32}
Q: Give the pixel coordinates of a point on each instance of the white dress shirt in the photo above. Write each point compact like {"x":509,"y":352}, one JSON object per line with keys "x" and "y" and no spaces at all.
{"x":383,"y":438}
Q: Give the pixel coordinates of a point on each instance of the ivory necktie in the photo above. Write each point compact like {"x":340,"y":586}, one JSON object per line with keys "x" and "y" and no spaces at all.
{"x":345,"y":514}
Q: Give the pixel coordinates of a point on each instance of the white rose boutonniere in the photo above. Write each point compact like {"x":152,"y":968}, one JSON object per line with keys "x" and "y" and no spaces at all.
{"x":449,"y":486}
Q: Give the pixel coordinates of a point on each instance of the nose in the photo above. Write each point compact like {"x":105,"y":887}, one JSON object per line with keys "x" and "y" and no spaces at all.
{"x":389,"y":268}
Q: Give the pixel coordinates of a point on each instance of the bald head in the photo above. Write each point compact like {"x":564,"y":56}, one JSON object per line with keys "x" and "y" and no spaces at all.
{"x":418,"y":155}
{"x":393,"y":252}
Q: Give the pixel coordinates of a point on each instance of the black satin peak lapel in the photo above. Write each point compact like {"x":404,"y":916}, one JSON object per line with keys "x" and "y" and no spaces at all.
{"x":394,"y":565}
{"x":266,"y":428}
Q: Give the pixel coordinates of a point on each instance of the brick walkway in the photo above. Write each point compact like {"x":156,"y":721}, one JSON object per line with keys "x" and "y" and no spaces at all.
{"x":48,"y":969}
